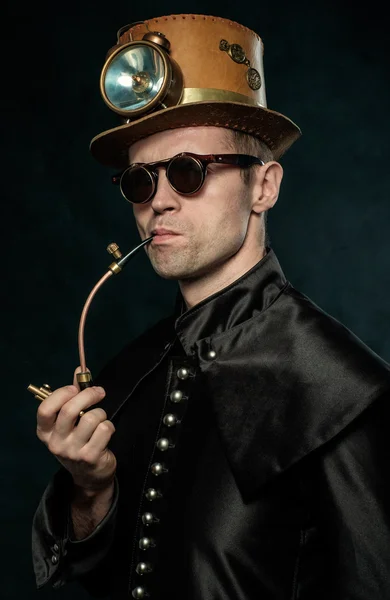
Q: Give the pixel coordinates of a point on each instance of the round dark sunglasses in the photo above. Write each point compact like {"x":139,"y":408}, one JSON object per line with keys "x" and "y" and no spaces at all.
{"x":186,"y":173}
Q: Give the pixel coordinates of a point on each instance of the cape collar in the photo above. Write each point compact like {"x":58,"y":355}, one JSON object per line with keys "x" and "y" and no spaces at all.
{"x":245,"y":298}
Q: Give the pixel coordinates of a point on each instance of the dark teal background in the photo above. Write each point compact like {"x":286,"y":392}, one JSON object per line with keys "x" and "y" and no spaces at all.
{"x":326,"y":67}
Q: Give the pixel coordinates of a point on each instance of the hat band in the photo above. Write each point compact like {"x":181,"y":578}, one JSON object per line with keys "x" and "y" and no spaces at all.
{"x":191,"y":95}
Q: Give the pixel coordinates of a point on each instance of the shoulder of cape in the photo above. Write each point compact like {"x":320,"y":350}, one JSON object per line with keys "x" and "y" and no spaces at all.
{"x":305,"y":378}
{"x":326,"y":333}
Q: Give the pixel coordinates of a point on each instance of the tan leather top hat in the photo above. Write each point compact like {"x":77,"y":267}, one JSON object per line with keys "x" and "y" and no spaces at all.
{"x":185,"y":71}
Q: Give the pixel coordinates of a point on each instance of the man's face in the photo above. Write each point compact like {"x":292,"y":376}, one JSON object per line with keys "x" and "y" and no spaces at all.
{"x":209,"y":227}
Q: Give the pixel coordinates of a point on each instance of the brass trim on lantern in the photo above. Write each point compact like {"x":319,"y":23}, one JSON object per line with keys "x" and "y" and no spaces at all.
{"x":191,"y":95}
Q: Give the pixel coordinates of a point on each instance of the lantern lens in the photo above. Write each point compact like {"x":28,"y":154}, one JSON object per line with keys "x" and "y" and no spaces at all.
{"x":134,"y":77}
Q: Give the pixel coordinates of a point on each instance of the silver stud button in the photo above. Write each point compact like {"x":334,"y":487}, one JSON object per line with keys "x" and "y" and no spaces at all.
{"x":152,"y":494}
{"x":143,"y":568}
{"x":157,"y":468}
{"x":56,"y":548}
{"x":176,"y":396}
{"x":211,"y":354}
{"x":148,"y":518}
{"x":145,"y":543}
{"x":162,"y":444}
{"x":183,"y":373}
{"x":54,"y":559}
{"x":170,"y":420}
{"x":138,"y":592}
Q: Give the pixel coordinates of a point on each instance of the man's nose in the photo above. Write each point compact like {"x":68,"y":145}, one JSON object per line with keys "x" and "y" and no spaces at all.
{"x":165,"y":197}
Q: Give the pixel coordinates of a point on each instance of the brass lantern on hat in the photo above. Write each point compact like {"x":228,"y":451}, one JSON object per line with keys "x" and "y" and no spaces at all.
{"x":141,"y":76}
{"x":186,"y":70}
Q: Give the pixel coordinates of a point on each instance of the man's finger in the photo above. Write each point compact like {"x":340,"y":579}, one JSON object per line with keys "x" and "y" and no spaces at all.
{"x":88,"y":424}
{"x":100,"y":438}
{"x":50,"y":406}
{"x":70,"y":411}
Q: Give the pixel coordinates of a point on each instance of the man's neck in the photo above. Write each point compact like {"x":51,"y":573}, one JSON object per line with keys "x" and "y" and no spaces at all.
{"x":198,"y":289}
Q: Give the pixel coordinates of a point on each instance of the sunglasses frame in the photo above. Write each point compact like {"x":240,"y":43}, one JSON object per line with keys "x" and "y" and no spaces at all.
{"x":203,"y":160}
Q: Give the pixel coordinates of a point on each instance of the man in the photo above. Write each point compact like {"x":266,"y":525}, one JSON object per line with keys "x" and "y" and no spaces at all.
{"x":239,"y":449}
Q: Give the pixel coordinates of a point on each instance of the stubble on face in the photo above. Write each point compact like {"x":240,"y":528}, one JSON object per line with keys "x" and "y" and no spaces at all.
{"x":205,"y":243}
{"x":212,"y":225}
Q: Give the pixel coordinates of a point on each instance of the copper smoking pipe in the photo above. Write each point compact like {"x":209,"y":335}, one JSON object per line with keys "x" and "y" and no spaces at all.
{"x":84,"y":378}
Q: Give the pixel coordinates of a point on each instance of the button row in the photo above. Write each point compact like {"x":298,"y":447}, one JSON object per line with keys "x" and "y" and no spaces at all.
{"x":56,"y":550}
{"x":157,"y":468}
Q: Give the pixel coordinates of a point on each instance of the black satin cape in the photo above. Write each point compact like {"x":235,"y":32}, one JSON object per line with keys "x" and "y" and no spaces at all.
{"x":286,"y":497}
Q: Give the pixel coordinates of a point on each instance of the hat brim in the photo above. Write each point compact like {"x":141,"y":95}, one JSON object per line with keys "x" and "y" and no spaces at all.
{"x":277,"y":131}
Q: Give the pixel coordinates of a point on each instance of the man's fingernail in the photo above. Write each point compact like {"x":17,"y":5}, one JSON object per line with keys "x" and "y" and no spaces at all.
{"x":99,"y":389}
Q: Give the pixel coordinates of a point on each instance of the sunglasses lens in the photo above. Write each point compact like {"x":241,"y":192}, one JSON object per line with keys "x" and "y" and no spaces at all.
{"x":185,"y":174}
{"x":137,"y":185}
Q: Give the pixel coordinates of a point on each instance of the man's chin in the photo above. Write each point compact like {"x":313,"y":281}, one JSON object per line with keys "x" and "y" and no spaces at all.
{"x":173,"y":272}
{"x":179,"y":274}
{"x":167,"y":272}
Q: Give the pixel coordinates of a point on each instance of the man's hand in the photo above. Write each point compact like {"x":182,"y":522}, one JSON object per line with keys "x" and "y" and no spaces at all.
{"x":79,"y":443}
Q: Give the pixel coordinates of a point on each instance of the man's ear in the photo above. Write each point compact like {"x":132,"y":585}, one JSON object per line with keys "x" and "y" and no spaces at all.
{"x":267,"y":180}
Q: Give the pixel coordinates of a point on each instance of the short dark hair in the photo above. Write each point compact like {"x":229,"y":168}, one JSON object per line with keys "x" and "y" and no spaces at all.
{"x":244,"y":143}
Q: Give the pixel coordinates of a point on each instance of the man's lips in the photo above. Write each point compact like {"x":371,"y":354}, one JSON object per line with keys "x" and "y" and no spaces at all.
{"x":162,"y":236}
{"x":160,"y":232}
